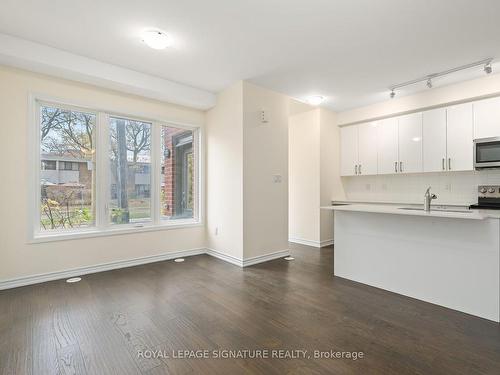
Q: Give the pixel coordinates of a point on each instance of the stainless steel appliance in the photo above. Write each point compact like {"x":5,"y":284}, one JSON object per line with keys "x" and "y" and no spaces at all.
{"x":488,"y":197}
{"x":487,"y":153}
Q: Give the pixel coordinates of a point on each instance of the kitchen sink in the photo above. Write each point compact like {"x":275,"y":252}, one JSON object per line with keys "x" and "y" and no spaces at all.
{"x":436,"y":209}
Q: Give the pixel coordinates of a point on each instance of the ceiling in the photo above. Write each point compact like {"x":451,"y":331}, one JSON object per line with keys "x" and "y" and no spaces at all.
{"x":347,"y":50}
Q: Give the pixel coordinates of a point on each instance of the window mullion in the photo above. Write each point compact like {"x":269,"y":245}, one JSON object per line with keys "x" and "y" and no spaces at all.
{"x":102,"y":166}
{"x":155,"y":171}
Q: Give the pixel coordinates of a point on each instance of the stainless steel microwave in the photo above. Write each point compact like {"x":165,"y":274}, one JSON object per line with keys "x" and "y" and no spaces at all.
{"x":487,"y":153}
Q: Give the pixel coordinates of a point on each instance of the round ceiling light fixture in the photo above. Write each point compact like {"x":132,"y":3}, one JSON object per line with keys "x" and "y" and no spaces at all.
{"x":316,"y":100}
{"x":156,"y":39}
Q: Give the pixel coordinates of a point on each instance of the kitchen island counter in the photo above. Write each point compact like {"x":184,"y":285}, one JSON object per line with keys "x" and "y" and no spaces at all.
{"x":450,"y":259}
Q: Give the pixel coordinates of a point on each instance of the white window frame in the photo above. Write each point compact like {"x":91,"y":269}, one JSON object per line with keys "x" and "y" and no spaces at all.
{"x":103,"y":226}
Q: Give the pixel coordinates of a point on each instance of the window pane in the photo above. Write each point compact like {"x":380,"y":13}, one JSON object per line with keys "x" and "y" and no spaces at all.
{"x":67,"y":195}
{"x":178,"y":178}
{"x":130,"y":155}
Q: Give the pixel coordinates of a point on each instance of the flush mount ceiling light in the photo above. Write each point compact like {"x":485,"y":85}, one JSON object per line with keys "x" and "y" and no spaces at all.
{"x":316,"y":100}
{"x":74,"y":280}
{"x":179,"y":260}
{"x":486,"y":64}
{"x":156,"y":39}
{"x":289,"y":258}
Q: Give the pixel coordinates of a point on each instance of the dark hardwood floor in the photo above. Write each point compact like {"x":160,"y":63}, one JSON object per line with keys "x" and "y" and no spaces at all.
{"x":100,"y":325}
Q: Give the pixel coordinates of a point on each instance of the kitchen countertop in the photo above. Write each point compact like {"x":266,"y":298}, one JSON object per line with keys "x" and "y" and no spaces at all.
{"x":398,"y":209}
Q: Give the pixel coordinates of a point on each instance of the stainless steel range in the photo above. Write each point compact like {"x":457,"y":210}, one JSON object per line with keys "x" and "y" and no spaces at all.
{"x":488,"y":197}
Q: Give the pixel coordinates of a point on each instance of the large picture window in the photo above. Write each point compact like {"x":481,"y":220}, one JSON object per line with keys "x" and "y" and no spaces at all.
{"x":99,"y":172}
{"x":67,"y":180}
{"x":130,"y":156}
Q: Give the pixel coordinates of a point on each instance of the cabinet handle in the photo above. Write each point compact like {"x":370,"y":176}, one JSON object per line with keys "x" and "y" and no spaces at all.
{"x":449,"y":164}
{"x":356,"y":169}
{"x":443,"y":165}
{"x":401,"y":166}
{"x":396,"y":166}
{"x":359,"y":169}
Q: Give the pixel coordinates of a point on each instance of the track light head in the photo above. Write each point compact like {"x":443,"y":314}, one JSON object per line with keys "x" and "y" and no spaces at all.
{"x":392,"y":94}
{"x":487,"y":68}
{"x":429,"y":83}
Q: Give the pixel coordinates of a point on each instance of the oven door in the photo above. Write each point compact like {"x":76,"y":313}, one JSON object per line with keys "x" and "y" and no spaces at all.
{"x":487,"y":153}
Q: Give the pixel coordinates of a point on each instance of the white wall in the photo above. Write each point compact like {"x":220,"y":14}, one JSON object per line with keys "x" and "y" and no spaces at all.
{"x":477,"y":88}
{"x":314,"y":174}
{"x":265,"y":154}
{"x":451,"y":187}
{"x":17,"y":257}
{"x":304,"y":176}
{"x":248,"y":208}
{"x":225,"y":173}
{"x":331,"y":187}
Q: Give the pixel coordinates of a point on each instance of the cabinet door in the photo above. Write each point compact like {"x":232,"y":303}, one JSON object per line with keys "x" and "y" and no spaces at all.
{"x":487,"y":118}
{"x":410,"y":143}
{"x":459,"y":138}
{"x":434,"y":140}
{"x":348,"y":150}
{"x":367,"y":147}
{"x":387,"y":145}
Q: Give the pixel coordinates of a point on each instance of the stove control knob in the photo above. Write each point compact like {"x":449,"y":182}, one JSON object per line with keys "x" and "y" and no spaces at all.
{"x":482,"y":190}
{"x":491,"y":190}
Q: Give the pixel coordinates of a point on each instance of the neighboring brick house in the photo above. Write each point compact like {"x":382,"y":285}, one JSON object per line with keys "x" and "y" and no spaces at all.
{"x":178,"y":176}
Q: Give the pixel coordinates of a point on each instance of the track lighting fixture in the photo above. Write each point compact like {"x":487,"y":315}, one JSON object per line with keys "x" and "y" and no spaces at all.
{"x":487,"y":68}
{"x":486,"y":64}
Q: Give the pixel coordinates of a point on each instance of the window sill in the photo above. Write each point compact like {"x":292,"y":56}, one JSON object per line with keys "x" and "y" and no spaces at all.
{"x":89,"y":233}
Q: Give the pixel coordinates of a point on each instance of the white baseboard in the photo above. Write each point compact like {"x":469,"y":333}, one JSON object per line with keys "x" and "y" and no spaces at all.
{"x":57,"y":275}
{"x":265,"y":258}
{"x":249,"y":261}
{"x":312,"y":243}
{"x":225,"y":257}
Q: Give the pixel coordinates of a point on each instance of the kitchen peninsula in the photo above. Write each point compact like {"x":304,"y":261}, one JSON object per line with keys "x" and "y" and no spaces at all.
{"x":447,"y":257}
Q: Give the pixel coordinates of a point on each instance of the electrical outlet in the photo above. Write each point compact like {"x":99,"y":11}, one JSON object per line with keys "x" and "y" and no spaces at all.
{"x":277,"y":178}
{"x":368,"y":187}
{"x":216,"y":231}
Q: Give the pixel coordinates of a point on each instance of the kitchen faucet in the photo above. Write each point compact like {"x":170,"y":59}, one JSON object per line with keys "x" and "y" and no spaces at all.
{"x":428,"y":197}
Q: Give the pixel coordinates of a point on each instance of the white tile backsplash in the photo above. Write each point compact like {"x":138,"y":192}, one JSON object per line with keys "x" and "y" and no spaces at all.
{"x":450,"y":187}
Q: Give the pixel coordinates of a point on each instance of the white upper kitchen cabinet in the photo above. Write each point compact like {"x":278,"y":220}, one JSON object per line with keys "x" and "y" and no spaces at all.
{"x":459,"y":132}
{"x":410,"y":143}
{"x":434,"y":140}
{"x":387,"y":140}
{"x":487,"y":118}
{"x":349,"y":150}
{"x":367,"y":148}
